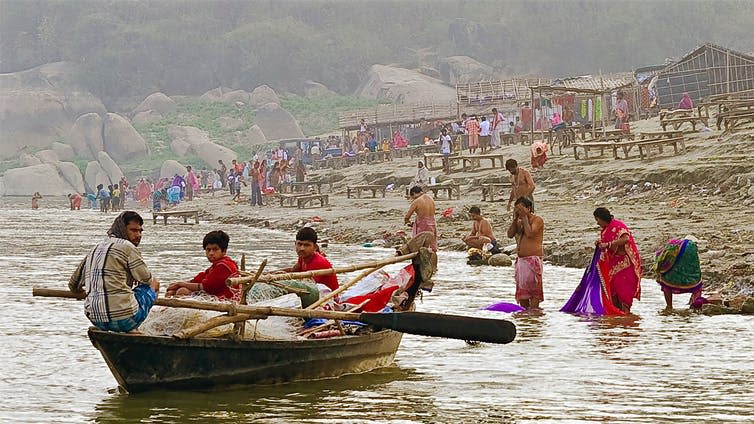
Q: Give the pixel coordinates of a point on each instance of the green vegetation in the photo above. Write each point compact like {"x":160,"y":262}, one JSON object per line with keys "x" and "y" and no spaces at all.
{"x":319,"y":115}
{"x":9,"y":164}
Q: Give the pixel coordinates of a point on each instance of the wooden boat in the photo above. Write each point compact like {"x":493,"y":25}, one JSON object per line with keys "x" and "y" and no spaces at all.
{"x":141,"y":363}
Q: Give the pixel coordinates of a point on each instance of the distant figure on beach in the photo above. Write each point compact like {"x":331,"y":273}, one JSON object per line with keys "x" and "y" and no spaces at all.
{"x":103,"y":196}
{"x":528,"y":230}
{"x":686,"y":103}
{"x":212,"y":280}
{"x":620,"y":111}
{"x":522,"y":184}
{"x":538,"y":154}
{"x":620,"y":260}
{"x":472,"y":129}
{"x":497,"y":126}
{"x":120,"y":289}
{"x":421,"y":178}
{"x":75,"y":201}
{"x":484,"y":134}
{"x":446,"y":148}
{"x":424,"y":207}
{"x":481,"y":230}
{"x":35,"y":200}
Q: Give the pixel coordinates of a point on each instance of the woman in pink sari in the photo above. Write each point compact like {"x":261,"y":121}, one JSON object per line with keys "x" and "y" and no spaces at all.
{"x":619,"y":263}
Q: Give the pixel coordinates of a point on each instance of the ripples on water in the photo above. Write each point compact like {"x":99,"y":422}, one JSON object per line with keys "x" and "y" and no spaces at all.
{"x":560,"y":368}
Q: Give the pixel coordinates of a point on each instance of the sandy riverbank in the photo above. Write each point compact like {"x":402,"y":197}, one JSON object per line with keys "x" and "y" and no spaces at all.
{"x":707,"y":192}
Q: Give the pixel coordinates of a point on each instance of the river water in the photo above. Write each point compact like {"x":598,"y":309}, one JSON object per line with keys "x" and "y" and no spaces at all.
{"x":561,"y":367}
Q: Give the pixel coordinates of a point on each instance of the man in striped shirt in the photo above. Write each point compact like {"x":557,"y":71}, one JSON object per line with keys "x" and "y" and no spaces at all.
{"x":120,"y":290}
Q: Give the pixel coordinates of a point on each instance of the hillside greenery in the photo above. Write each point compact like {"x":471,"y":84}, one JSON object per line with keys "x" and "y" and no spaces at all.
{"x":131,"y":49}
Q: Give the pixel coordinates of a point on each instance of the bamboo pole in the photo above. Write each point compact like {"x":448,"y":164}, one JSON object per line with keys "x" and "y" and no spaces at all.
{"x":213,"y":322}
{"x":308,"y":274}
{"x":231,"y":308}
{"x":240,"y":327}
{"x":342,"y":288}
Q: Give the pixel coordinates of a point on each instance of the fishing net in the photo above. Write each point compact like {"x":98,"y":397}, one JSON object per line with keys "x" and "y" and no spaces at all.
{"x":167,"y":321}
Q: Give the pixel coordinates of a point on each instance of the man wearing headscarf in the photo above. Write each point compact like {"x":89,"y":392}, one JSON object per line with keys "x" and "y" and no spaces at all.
{"x":120,"y":290}
{"x":421,"y":179}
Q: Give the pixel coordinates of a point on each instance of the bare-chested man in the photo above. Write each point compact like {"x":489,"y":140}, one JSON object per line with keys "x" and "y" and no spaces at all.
{"x":424,"y":207}
{"x":481,"y":230}
{"x":528,"y":229}
{"x":522,"y":185}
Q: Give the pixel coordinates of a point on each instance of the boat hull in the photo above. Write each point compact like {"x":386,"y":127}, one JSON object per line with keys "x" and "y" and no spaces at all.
{"x":141,"y":363}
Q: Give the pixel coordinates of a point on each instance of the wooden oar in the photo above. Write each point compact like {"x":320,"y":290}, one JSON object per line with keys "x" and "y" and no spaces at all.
{"x":308,"y":274}
{"x":421,"y":323}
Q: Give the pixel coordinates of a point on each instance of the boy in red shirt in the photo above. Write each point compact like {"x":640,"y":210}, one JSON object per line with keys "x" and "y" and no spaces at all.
{"x":310,"y":259}
{"x":212,"y":280}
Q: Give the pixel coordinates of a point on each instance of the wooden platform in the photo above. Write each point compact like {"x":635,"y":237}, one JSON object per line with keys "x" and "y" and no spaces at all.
{"x":184,"y":214}
{"x":374,"y":188}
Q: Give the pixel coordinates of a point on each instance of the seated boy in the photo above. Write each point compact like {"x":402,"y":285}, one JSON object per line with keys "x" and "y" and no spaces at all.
{"x":212,"y":280}
{"x":309,"y":259}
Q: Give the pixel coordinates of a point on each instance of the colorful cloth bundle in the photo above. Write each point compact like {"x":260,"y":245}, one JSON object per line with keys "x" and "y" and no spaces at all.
{"x":677,"y":267}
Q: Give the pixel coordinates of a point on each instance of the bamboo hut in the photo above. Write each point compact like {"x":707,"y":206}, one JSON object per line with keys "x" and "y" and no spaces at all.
{"x":709,"y":70}
{"x":387,"y":117}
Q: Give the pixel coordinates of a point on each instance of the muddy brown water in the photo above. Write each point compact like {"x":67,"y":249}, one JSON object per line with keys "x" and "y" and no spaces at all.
{"x":648,"y":367}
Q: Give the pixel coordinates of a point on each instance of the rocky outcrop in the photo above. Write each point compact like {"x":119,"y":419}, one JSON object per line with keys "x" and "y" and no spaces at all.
{"x":214,"y":95}
{"x":85,"y":136}
{"x":109,"y":166}
{"x":43,"y":178}
{"x":121,"y":140}
{"x":47,"y":156}
{"x":39,"y":105}
{"x":211,"y":153}
{"x":404,"y":86}
{"x":180,"y":147}
{"x":146,"y":117}
{"x":157,"y":102}
{"x":29,"y":160}
{"x":263,"y":95}
{"x":191,"y":135}
{"x":467,"y":34}
{"x":72,"y":175}
{"x":64,"y":151}
{"x":95,"y":175}
{"x":255,"y":136}
{"x":236,"y":97}
{"x":171,"y":167}
{"x":277,"y":123}
{"x":316,"y":89}
{"x":463,"y":70}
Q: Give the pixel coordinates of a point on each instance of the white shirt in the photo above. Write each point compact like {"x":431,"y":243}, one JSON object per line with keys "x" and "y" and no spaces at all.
{"x":446,"y":145}
{"x":484,"y":128}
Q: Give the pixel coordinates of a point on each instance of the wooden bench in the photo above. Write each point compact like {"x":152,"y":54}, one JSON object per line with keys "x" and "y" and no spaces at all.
{"x":678,"y":117}
{"x":645,"y":146}
{"x":490,"y":189}
{"x":184,"y":214}
{"x":374,"y":188}
{"x":451,"y":188}
{"x":301,"y":186}
{"x":421,"y":149}
{"x":660,"y":134}
{"x":468,"y":162}
{"x":303,"y":201}
{"x":732,"y":119}
{"x":594,"y":145}
{"x":429,"y":160}
{"x":288,"y":199}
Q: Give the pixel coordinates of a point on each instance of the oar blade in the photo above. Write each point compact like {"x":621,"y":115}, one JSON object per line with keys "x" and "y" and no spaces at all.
{"x":448,"y":326}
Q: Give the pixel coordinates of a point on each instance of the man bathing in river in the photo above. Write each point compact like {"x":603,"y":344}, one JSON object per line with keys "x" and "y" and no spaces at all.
{"x":120,"y":290}
{"x":528,"y":229}
{"x":424,"y":207}
{"x":481,"y":230}
{"x":212,"y":280}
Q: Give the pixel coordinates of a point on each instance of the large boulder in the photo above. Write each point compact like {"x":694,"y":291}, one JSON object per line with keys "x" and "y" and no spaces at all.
{"x":29,"y":160}
{"x":122,"y":142}
{"x":43,"y":178}
{"x":47,"y":156}
{"x":72,"y":175}
{"x":315,"y":89}
{"x":263,"y":95}
{"x":277,"y":123}
{"x":500,"y":259}
{"x":95,"y":175}
{"x":401,"y":85}
{"x":211,"y":153}
{"x":180,"y":147}
{"x":214,"y":95}
{"x":463,"y":70}
{"x":157,"y":102}
{"x":255,"y":136}
{"x":85,"y":135}
{"x":229,"y":123}
{"x":109,"y":166}
{"x":146,"y":117}
{"x":191,"y":135}
{"x":171,"y":167}
{"x":64,"y":151}
{"x":39,"y":105}
{"x":235,"y":97}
